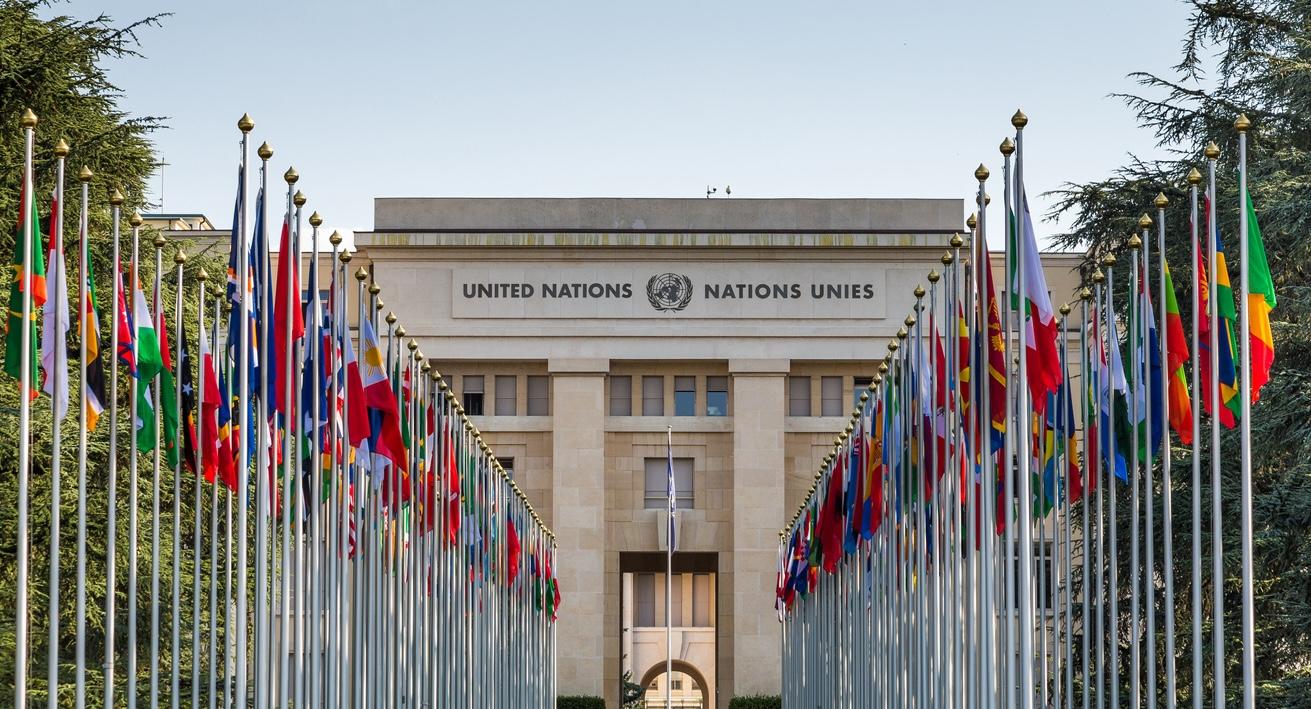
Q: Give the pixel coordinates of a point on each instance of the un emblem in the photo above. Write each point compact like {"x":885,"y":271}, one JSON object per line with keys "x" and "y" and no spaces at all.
{"x":669,"y":292}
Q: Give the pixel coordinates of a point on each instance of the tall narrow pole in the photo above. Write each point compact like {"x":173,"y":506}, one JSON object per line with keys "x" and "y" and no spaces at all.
{"x":155,"y":522}
{"x":111,"y":507}
{"x":87,"y":327}
{"x":1113,"y":356}
{"x":1167,"y":484}
{"x":315,"y":582}
{"x":213,"y":689}
{"x":289,"y":426}
{"x":1026,"y":507}
{"x":24,"y":413}
{"x":1008,"y":485}
{"x":243,"y":441}
{"x":175,"y":686}
{"x":1217,"y":509}
{"x":1089,"y":475}
{"x":133,"y":483}
{"x":1245,"y":422}
{"x":1105,"y":482}
{"x":669,"y":575}
{"x":59,"y":407}
{"x":1195,"y":607}
{"x":263,"y":442}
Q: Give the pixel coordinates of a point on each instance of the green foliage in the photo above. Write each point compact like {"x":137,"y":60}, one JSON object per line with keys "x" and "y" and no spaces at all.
{"x":1261,"y":50}
{"x":630,"y":692}
{"x":756,"y":701}
{"x":579,"y":702}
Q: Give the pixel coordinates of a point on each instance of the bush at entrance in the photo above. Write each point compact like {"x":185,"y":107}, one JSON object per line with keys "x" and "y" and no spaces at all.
{"x":579,"y":702}
{"x":757,"y":701}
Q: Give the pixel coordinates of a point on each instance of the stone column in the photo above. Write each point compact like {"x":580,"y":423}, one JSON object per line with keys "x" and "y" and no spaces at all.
{"x":759,"y":407}
{"x":578,"y":519}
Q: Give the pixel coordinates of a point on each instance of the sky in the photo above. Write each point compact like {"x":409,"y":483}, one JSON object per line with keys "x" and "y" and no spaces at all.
{"x":636,"y":99}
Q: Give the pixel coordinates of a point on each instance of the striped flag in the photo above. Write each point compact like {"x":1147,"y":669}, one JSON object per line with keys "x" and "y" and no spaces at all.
{"x":93,"y":393}
{"x":1178,"y":398}
{"x":55,"y":324}
{"x":149,"y":363}
{"x":1260,"y":301}
{"x":13,"y":325}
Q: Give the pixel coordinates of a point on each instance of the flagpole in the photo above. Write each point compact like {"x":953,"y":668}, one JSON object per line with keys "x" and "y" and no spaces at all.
{"x":60,"y":371}
{"x":134,"y":482}
{"x":1149,"y":578}
{"x":288,"y":432}
{"x":1026,"y":510}
{"x":213,"y":535}
{"x":986,"y":511}
{"x":245,"y":125}
{"x":263,"y":444}
{"x":303,"y":496}
{"x":1245,"y":534}
{"x":1195,"y":178}
{"x":1089,"y":474}
{"x":1167,"y":484}
{"x":28,"y":122}
{"x":198,"y":502}
{"x":111,"y":508}
{"x":1102,"y":481}
{"x":1112,"y":341}
{"x":155,"y":480}
{"x":180,"y":259}
{"x":79,"y":698}
{"x":1067,"y":434}
{"x":1007,"y":149}
{"x":1139,"y":371}
{"x":314,"y":586}
{"x":359,"y":491}
{"x":669,"y":571}
{"x":1212,"y":152}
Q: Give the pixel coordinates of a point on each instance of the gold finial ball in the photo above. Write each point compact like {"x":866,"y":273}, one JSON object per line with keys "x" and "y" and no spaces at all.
{"x":265,"y":151}
{"x":1194,"y":177}
{"x":400,"y":331}
{"x":374,"y":289}
{"x":874,"y":381}
{"x":1241,"y":124}
{"x":1019,"y":120}
{"x":442,"y":383}
{"x":29,"y":119}
{"x":902,"y":333}
{"x":115,"y":197}
{"x":159,"y":241}
{"x":377,"y":306}
{"x":245,"y":124}
{"x":335,"y":239}
{"x":919,"y":291}
{"x":412,"y":345}
{"x":345,"y":257}
{"x":956,"y":241}
{"x":61,"y":149}
{"x":981,"y":173}
{"x":391,"y":318}
{"x":987,"y":199}
{"x":1135,"y":243}
{"x":1099,"y":277}
{"x":1007,"y":146}
{"x":1065,"y":308}
{"x":1108,"y":260}
{"x":361,"y":274}
{"x":864,"y":395}
{"x":1144,"y":221}
{"x":291,"y":176}
{"x":1084,"y":293}
{"x":135,"y":220}
{"x":315,"y":220}
{"x":972,"y":221}
{"x":947,"y":258}
{"x":180,"y":258}
{"x":934,"y":276}
{"x":1161,"y":200}
{"x":910,"y":321}
{"x":1212,"y":151}
{"x":849,"y":429}
{"x":202,"y":275}
{"x":84,"y":175}
{"x":298,"y":199}
{"x":883,"y":367}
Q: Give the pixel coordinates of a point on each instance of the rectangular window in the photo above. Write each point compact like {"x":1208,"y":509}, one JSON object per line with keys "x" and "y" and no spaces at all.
{"x":506,"y":395}
{"x":473,"y":395}
{"x":685,"y":396}
{"x":716,"y":396}
{"x":861,"y":385}
{"x":701,"y":600}
{"x":621,"y":396}
{"x":508,"y":464}
{"x":653,"y":396}
{"x":644,"y":600}
{"x":539,"y":395}
{"x":830,"y":392}
{"x":798,"y":396}
{"x":656,"y":481}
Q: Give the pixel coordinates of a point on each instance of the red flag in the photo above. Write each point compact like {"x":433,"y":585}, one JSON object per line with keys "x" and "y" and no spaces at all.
{"x":288,"y":289}
{"x":512,"y":553}
{"x":452,"y":488}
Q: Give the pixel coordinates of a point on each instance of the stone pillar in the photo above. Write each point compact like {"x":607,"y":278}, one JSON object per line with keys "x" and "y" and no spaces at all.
{"x":578,"y":519}
{"x":759,"y":407}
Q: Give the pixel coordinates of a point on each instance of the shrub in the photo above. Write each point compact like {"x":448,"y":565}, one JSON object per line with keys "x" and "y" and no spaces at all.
{"x":579,"y":702}
{"x":757,"y":701}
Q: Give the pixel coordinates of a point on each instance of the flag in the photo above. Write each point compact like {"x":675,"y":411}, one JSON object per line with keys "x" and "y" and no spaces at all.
{"x":123,"y":322}
{"x":453,"y":485}
{"x":1260,"y":301}
{"x":149,"y":362}
{"x":54,"y":333}
{"x":1180,"y":402}
{"x":358,"y":428}
{"x":27,"y":220}
{"x":512,"y":551}
{"x":1113,"y":385}
{"x":830,"y":522}
{"x":93,"y":392}
{"x":671,"y":495}
{"x":227,"y":446}
{"x":996,"y":357}
{"x":1066,"y":427}
{"x":286,"y":313}
{"x":1151,"y":411}
{"x":378,"y":397}
{"x":168,"y":394}
{"x":1043,"y":364}
{"x":211,"y":462}
{"x":190,"y":443}
{"x":1222,"y":341}
{"x":872,"y":517}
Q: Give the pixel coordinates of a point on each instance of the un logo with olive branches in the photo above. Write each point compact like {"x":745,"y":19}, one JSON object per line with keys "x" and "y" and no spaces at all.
{"x":669,"y":292}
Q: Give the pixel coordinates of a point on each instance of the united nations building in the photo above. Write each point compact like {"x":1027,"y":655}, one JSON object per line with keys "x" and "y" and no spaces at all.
{"x":579,"y":332}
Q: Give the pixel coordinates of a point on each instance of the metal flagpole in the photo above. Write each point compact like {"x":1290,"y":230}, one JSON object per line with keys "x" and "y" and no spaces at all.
{"x":175,"y":686}
{"x":669,"y":572}
{"x":1106,"y":479}
{"x":1149,"y":577}
{"x":85,"y":326}
{"x":28,"y":122}
{"x":1137,"y":402}
{"x":111,"y":508}
{"x":213,"y":530}
{"x":1066,"y":435}
{"x":263,"y":444}
{"x":1167,"y":485}
{"x":1245,"y":423}
{"x":134,"y":486}
{"x":229,"y":644}
{"x":59,"y":371}
{"x":1026,"y":508}
{"x":1008,"y":447}
{"x":986,"y":555}
{"x":303,"y":497}
{"x":289,"y":425}
{"x":1195,"y":178}
{"x":198,"y":556}
{"x":1089,"y":475}
{"x":1112,"y":341}
{"x":243,"y":444}
{"x":314,"y":581}
{"x":155,"y":521}
{"x":1217,"y":510}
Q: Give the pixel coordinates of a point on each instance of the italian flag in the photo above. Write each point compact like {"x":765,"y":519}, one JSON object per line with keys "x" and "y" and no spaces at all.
{"x":149,"y":363}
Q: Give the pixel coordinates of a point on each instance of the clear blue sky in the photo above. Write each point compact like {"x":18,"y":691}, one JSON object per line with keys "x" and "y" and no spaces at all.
{"x":654,"y":99}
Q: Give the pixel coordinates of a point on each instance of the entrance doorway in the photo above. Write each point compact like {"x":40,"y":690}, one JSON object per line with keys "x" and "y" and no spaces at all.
{"x":692,"y":608}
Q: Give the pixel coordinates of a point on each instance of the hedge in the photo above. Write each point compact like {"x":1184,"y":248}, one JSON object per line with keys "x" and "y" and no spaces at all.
{"x":756,"y":701}
{"x":579,"y":702}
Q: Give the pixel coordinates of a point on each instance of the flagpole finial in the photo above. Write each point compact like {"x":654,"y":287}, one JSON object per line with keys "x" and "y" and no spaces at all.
{"x":1135,"y":243}
{"x":1084,"y":293}
{"x":987,"y":199}
{"x":61,"y":149}
{"x":1144,"y":221}
{"x":298,"y":199}
{"x":245,"y":124}
{"x":84,"y":175}
{"x":919,"y":291}
{"x":1019,"y":120}
{"x":425,"y":366}
{"x":335,"y":239}
{"x":1109,"y":259}
{"x":901,"y":333}
{"x":1161,"y":200}
{"x":374,"y":289}
{"x":934,"y":276}
{"x":400,"y":331}
{"x":972,"y":221}
{"x":377,"y":307}
{"x":436,"y":375}
{"x":345,"y":257}
{"x":315,"y":219}
{"x":1194,"y":177}
{"x":265,"y":151}
{"x":159,"y":242}
{"x":1098,"y":277}
{"x":115,"y":197}
{"x":947,"y":258}
{"x":441,"y":383}
{"x":28,"y":120}
{"x":180,"y":258}
{"x":1241,"y":124}
{"x":291,"y":176}
{"x":848,"y":430}
{"x":876,"y":380}
{"x":1007,"y":146}
{"x":883,"y":367}
{"x":1065,"y":309}
{"x":956,"y":241}
{"x":1212,"y":151}
{"x":391,"y":318}
{"x":361,"y":274}
{"x":864,"y":395}
{"x":202,"y":276}
{"x":411,"y":345}
{"x":981,"y":173}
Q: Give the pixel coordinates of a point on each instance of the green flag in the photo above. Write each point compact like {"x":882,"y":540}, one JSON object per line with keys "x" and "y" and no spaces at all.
{"x":13,"y":329}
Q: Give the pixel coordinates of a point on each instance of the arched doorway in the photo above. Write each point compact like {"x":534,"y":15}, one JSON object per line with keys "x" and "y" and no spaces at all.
{"x":679,"y":667}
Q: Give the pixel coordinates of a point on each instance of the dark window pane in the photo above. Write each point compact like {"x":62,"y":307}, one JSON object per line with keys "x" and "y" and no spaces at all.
{"x":860,"y":387}
{"x":716,"y":396}
{"x":830,"y":390}
{"x":621,"y":396}
{"x":539,"y":395}
{"x":656,"y":474}
{"x":653,"y":396}
{"x":473,"y":395}
{"x":798,"y":396}
{"x":506,"y":395}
